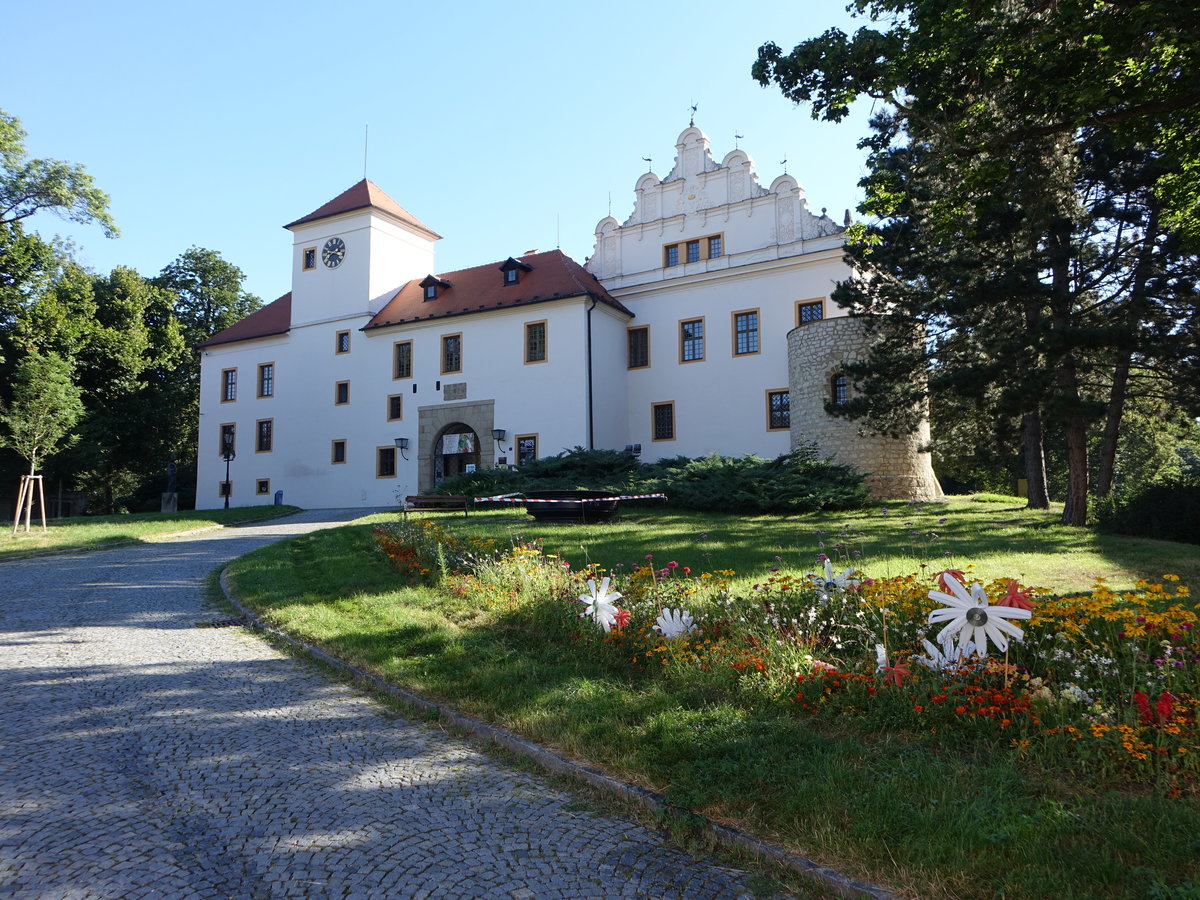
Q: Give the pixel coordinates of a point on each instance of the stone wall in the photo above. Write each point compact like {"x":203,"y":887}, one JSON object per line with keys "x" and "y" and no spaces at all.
{"x":896,"y":469}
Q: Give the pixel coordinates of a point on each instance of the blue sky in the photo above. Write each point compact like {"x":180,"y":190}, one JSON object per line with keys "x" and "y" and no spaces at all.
{"x":504,"y":127}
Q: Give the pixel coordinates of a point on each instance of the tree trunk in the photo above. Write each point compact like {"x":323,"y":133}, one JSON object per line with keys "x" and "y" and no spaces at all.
{"x":1035,"y":461}
{"x":1066,"y":376}
{"x":1112,"y":427}
{"x":1134,"y":313}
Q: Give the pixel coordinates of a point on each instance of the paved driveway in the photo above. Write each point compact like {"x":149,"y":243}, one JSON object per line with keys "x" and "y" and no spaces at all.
{"x":142,"y":756}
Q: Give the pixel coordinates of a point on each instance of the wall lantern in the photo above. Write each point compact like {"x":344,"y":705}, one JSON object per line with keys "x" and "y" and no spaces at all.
{"x":402,"y":445}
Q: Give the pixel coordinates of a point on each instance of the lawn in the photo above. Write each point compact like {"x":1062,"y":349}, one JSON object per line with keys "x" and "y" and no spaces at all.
{"x":92,"y":532}
{"x":879,"y":780}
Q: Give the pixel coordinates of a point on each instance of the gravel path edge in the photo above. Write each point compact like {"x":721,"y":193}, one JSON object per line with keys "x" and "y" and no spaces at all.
{"x":484,"y":733}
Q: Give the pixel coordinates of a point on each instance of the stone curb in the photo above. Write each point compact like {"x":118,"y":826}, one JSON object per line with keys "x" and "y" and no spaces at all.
{"x":481,"y":731}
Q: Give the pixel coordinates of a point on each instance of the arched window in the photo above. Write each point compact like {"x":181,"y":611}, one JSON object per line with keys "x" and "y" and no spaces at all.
{"x":840,"y":389}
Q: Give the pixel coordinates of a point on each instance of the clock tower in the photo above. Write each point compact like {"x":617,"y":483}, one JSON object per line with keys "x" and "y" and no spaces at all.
{"x":350,"y":256}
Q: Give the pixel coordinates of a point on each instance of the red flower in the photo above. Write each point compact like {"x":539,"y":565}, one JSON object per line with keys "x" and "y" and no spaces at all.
{"x":895,"y":674}
{"x":621,"y":619}
{"x":957,"y":574}
{"x":1015,"y":597}
{"x":1164,"y":706}
{"x":1142,"y":702}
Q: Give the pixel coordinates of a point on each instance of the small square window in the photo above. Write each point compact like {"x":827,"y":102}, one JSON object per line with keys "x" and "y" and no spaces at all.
{"x":662,"y":417}
{"x":385,"y":462}
{"x":671,"y":257}
{"x":342,"y":342}
{"x":341,"y":393}
{"x":810,"y":311}
{"x":337,"y":452}
{"x":395,"y":407}
{"x":512,"y":276}
{"x":262,"y":486}
{"x":714,"y":247}
{"x":310,"y":258}
{"x":693,"y":251}
{"x":431,"y":292}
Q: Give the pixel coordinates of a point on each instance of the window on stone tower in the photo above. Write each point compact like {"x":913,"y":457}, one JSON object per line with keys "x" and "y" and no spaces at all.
{"x":840,"y":393}
{"x":779,"y":417}
{"x":745,"y":332}
{"x":310,"y":258}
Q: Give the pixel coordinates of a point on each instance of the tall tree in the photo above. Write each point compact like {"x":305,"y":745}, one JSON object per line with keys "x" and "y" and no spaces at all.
{"x":989,"y":240}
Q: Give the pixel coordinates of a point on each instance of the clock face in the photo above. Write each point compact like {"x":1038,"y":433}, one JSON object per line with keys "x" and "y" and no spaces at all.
{"x":333,"y":252}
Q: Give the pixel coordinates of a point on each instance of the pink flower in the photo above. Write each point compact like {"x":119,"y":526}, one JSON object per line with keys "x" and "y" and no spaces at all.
{"x":621,"y":619}
{"x":672,"y":565}
{"x":1015,"y":597}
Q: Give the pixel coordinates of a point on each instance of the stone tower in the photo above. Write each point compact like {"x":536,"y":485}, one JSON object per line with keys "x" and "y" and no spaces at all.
{"x":896,"y":469}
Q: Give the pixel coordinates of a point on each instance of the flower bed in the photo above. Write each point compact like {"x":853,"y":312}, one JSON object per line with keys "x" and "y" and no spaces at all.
{"x":1103,"y":683}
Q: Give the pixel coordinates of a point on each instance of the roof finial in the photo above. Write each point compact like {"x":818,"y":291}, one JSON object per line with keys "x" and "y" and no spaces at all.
{"x":737,"y":137}
{"x":783,"y":162}
{"x":649,"y":167}
{"x":366,"y":136}
{"x":692,"y":120}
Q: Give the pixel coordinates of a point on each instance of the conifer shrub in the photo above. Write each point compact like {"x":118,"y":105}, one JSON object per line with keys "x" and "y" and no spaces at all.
{"x":795,"y":482}
{"x":1168,"y":511}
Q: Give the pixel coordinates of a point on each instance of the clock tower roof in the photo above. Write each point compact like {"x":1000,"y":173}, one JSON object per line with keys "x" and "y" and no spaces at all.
{"x":365,"y":195}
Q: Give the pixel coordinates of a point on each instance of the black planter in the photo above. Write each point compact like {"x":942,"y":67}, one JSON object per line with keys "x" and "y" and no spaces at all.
{"x":573,"y":506}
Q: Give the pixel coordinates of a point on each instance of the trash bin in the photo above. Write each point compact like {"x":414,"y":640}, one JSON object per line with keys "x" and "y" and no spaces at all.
{"x":279,"y":498}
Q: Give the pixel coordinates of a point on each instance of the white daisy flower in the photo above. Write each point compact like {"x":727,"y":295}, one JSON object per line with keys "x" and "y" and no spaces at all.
{"x":600,"y":604}
{"x":970,"y":618}
{"x":674,"y":623}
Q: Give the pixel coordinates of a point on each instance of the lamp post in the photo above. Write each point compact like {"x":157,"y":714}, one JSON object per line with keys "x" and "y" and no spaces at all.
{"x":228,"y":454}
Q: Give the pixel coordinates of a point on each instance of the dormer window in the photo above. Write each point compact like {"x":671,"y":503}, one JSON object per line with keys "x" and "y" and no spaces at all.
{"x":432,"y":284}
{"x":512,"y":269}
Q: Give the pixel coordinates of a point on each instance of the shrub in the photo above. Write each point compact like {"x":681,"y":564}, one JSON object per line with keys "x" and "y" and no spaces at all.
{"x":795,"y":482}
{"x":1169,"y":511}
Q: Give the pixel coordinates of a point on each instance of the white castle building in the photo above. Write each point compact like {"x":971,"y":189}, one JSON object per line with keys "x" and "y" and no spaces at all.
{"x":377,"y":376}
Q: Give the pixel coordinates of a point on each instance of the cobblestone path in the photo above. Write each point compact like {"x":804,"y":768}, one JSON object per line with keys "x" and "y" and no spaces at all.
{"x":142,"y":756}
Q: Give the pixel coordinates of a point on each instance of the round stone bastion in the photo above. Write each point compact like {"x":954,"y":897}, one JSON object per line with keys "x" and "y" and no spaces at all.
{"x":895,"y":468}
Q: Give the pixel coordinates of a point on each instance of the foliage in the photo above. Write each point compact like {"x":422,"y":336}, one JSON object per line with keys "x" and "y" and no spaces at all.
{"x":44,"y":408}
{"x":1167,"y":510}
{"x":794,"y":482}
{"x":28,"y":185}
{"x":1027,"y":256}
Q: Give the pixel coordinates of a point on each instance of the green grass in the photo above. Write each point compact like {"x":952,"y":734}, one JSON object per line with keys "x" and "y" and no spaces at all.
{"x":901,"y":809}
{"x":91,"y":532}
{"x":995,"y":534}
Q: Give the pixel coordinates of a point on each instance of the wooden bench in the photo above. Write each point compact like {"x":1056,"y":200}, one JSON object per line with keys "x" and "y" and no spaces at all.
{"x":436,"y":503}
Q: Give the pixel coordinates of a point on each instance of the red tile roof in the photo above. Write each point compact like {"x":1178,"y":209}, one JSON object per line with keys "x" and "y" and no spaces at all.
{"x":361,"y":196}
{"x":274,"y":318}
{"x":552,"y":276}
